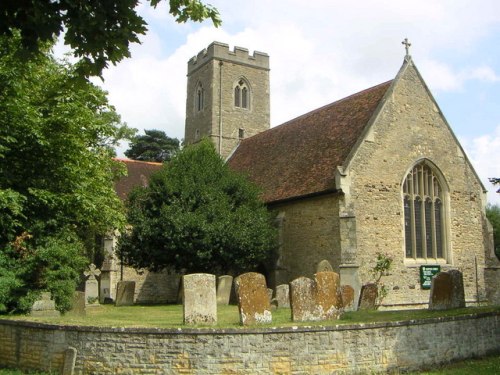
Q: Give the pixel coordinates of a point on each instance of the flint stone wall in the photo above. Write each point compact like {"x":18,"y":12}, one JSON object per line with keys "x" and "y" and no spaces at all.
{"x":351,"y":349}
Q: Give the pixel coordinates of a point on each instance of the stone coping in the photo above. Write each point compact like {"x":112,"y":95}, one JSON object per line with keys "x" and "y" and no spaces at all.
{"x":244,"y":330}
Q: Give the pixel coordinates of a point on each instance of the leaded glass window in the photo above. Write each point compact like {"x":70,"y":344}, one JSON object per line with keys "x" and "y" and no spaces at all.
{"x":241,"y":95}
{"x":423,"y":214}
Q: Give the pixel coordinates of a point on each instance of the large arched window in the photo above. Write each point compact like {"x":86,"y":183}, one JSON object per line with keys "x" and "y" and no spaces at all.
{"x":424,"y":226}
{"x":241,"y":95}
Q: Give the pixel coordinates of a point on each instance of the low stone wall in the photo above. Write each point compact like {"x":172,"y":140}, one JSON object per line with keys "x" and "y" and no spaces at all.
{"x":313,"y":350}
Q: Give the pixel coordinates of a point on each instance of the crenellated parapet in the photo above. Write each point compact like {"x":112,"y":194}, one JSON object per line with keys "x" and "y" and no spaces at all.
{"x":221,"y":52}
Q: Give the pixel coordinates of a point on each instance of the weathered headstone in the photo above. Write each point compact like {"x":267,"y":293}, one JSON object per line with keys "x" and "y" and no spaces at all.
{"x":283,"y":295}
{"x":328,"y":296}
{"x":125,"y":291}
{"x":270,"y":294}
{"x":78,"y":304}
{"x":347,"y":292}
{"x":91,"y":285}
{"x":199,"y":299}
{"x":324,"y":266}
{"x":253,"y":298}
{"x":302,"y":299}
{"x":447,"y":291}
{"x":458,"y":293}
{"x":224,"y":286}
{"x":69,"y":361}
{"x":45,"y":307}
{"x":368,"y":297}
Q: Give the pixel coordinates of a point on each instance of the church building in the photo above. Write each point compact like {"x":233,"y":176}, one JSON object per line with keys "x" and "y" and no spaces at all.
{"x":377,"y":172}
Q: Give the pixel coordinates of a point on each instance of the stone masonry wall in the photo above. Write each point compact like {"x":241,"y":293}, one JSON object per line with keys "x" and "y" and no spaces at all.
{"x":153,"y":287}
{"x":411,"y":128}
{"x":309,"y":234}
{"x":310,"y":350}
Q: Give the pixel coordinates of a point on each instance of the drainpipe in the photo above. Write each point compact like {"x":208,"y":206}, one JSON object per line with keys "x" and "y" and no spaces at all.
{"x":220,"y":107}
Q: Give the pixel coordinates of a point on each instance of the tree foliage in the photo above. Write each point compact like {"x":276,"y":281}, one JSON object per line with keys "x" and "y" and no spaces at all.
{"x":56,"y":173}
{"x":197,"y":215}
{"x":495,"y":181}
{"x":493,"y":215}
{"x":154,"y":145}
{"x":98,"y":31}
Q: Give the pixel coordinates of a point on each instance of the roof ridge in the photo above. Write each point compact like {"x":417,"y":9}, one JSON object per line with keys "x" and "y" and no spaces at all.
{"x":125,"y":160}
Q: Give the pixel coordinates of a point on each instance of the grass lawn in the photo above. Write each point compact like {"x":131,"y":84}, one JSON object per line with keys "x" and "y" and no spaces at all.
{"x":170,"y":316}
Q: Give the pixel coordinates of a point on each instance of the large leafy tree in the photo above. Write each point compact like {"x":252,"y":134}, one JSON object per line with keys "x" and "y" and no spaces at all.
{"x":197,"y":215}
{"x":154,"y":145}
{"x":495,"y":181}
{"x":56,"y":173}
{"x":98,"y":31}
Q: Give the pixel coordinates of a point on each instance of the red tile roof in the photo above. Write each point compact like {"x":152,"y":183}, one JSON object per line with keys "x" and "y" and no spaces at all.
{"x":138,"y":175}
{"x":301,"y":156}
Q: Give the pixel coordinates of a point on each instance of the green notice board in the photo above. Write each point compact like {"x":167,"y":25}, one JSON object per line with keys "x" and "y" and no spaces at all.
{"x":426,"y":274}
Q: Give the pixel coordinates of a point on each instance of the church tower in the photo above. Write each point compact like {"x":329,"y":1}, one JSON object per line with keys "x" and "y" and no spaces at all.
{"x":227,"y":96}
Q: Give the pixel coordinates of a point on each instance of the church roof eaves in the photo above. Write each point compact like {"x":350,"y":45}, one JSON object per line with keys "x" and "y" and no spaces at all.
{"x":138,"y":174}
{"x":299,"y":157}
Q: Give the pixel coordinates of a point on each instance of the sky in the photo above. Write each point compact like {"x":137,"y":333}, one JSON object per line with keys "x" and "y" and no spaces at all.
{"x":323,"y":50}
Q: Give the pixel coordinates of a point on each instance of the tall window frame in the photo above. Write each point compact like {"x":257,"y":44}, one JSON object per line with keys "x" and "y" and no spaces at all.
{"x":199,"y":98}
{"x":424,"y":193}
{"x":242,"y":94}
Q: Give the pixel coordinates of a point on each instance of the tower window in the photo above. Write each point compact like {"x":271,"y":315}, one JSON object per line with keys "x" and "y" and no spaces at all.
{"x":200,"y":98}
{"x":241,"y":95}
{"x":423,"y":214}
{"x":241,"y":133}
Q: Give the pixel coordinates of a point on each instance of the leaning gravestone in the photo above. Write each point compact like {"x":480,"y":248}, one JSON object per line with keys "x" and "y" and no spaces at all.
{"x":224,"y":286}
{"x":368,"y":297}
{"x":283,"y":295}
{"x":78,"y":304}
{"x":199,"y":299}
{"x":45,"y":307}
{"x":328,"y":297}
{"x":302,"y":299}
{"x":447,"y":291}
{"x":458,"y":293}
{"x":92,"y":286}
{"x":125,"y":291}
{"x":347,"y":292}
{"x":324,"y":266}
{"x":253,"y":299}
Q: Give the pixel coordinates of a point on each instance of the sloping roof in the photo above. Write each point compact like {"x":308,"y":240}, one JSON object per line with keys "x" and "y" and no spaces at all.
{"x":138,"y":173}
{"x":300,"y":157}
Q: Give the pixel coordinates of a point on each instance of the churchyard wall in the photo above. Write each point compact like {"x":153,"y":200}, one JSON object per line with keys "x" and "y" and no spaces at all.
{"x":351,"y":349}
{"x":410,"y":128}
{"x":308,"y":233}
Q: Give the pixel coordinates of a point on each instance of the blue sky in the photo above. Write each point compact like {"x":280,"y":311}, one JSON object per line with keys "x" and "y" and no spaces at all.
{"x":323,"y":50}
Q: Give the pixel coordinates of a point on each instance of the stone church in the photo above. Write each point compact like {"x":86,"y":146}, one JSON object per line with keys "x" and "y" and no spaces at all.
{"x":379,"y":171}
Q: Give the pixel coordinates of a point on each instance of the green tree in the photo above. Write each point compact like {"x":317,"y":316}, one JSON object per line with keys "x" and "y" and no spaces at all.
{"x":493,"y":215}
{"x":495,"y":181}
{"x":56,"y":174}
{"x":98,"y":31}
{"x":197,"y":215}
{"x":154,"y":145}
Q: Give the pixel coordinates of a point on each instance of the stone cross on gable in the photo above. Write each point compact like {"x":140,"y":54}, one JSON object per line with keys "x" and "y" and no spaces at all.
{"x":92,"y":272}
{"x":407,"y":45}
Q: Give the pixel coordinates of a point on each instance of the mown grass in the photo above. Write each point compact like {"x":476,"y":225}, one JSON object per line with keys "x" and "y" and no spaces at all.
{"x":171,"y":316}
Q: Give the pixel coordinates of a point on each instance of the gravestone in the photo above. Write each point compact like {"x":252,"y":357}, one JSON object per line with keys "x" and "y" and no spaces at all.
{"x":253,"y":298}
{"x":302,"y":299}
{"x":328,"y":297}
{"x":324,"y":266}
{"x":347,"y":292}
{"x":458,"y":293}
{"x":224,"y":286}
{"x":92,"y":286}
{"x":447,"y":291}
{"x":368,"y":297}
{"x":283,"y":295}
{"x":69,"y":361}
{"x":45,"y":307}
{"x":199,"y":299}
{"x":125,"y":291}
{"x":78,"y":304}
{"x":270,"y":294}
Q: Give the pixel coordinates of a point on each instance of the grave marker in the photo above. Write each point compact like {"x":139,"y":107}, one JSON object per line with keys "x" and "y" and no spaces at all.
{"x":199,"y":299}
{"x":253,"y":298}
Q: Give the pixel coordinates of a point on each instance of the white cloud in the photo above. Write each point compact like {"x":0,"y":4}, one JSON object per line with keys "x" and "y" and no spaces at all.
{"x":483,"y":152}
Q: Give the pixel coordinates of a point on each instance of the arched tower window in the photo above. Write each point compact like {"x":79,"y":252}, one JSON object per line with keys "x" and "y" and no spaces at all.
{"x":241,"y":95}
{"x":200,"y":97}
{"x":424,"y":227}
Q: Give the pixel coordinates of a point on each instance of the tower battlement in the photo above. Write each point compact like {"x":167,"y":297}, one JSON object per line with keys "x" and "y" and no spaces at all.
{"x":221,"y":51}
